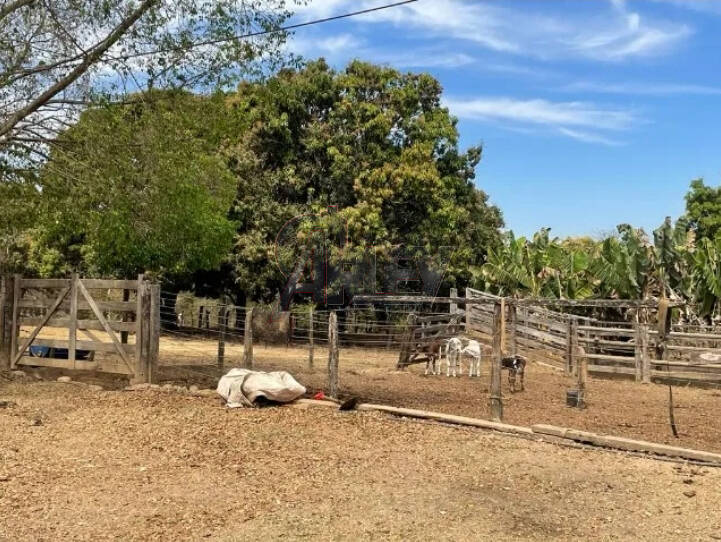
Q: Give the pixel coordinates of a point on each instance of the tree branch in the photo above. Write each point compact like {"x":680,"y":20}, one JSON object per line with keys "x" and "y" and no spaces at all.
{"x":92,"y":57}
{"x":13,"y":6}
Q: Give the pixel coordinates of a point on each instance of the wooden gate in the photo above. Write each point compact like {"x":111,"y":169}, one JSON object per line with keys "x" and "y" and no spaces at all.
{"x":41,"y":319}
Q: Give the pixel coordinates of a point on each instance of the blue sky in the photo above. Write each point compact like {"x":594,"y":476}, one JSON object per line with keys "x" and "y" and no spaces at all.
{"x":591,"y":113}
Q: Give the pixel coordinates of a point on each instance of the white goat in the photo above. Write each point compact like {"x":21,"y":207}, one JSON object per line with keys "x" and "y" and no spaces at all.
{"x":453,"y":348}
{"x":473,"y":350}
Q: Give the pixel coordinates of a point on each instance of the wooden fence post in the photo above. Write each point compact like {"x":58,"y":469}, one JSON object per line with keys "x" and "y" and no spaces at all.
{"x":310,"y":337}
{"x":222,"y":326}
{"x":581,"y":376}
{"x":405,"y":352}
{"x":513,"y":314}
{"x":73,"y":324}
{"x":468,"y":312}
{"x":5,"y":320}
{"x":571,"y":344}
{"x":453,"y":306}
{"x":638,"y":351}
{"x":14,"y":327}
{"x":154,"y":333}
{"x":496,"y":399}
{"x":248,"y":340}
{"x":645,"y":360}
{"x":142,"y":331}
{"x":333,"y":354}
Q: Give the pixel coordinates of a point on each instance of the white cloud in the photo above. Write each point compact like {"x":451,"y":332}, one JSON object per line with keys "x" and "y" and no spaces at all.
{"x":706,"y":6}
{"x":338,"y":44}
{"x":580,"y":120}
{"x":612,"y":33}
{"x":426,"y":59}
{"x":642,"y":88}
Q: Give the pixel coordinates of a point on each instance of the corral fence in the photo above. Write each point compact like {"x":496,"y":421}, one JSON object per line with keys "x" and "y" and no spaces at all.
{"x":107,"y":326}
{"x":638,"y":349}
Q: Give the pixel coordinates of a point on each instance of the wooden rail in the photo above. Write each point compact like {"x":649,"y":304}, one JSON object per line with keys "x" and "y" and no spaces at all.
{"x":621,"y":348}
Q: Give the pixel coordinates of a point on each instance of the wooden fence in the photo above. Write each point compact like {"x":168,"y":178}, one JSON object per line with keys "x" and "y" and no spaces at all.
{"x":41,"y":319}
{"x":633,"y":349}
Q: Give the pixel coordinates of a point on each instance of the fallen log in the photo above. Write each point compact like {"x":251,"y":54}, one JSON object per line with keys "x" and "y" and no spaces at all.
{"x":546,"y":433}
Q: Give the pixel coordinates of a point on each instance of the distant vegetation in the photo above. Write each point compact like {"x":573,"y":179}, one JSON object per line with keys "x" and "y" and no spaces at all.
{"x":681,"y":261}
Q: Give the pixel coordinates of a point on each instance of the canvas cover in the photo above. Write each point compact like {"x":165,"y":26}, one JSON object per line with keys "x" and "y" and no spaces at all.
{"x":241,"y":387}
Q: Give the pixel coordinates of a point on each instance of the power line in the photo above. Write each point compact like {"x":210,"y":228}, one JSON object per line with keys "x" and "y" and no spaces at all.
{"x":266,"y":32}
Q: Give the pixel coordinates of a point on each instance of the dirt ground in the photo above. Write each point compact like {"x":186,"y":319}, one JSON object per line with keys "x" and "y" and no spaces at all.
{"x":79,"y":464}
{"x":618,"y":407}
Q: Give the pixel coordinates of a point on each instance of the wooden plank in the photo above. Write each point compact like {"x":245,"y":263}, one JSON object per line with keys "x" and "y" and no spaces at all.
{"x":444,"y":418}
{"x":99,"y":315}
{"x":111,"y":306}
{"x":105,"y":366}
{"x":37,"y":329}
{"x":622,"y":332}
{"x":44,"y":283}
{"x":685,"y":376}
{"x":96,"y":346}
{"x":608,"y":357}
{"x":626,"y":444}
{"x":694,"y":336}
{"x":103,"y":284}
{"x":333,"y":354}
{"x":496,"y":399}
{"x":93,"y":325}
{"x":73,"y":319}
{"x":611,"y":369}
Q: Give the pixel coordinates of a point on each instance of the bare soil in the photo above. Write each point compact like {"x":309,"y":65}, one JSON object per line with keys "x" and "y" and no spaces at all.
{"x":619,"y":407}
{"x":77,"y":464}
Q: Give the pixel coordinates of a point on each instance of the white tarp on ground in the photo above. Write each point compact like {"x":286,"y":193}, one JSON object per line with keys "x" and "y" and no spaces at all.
{"x":241,"y":387}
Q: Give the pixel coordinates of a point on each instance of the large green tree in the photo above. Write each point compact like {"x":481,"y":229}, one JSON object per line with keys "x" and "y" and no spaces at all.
{"x":371,"y":142}
{"x":137,"y":188}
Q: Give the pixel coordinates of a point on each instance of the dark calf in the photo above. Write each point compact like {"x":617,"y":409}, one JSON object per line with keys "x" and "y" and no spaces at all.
{"x":516,"y":366}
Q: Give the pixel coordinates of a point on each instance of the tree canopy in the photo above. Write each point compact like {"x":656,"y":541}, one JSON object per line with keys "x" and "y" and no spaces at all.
{"x":372,"y":142}
{"x":137,"y":188}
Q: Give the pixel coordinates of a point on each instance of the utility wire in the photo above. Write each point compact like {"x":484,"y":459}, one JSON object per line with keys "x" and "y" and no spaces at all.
{"x":264,"y":32}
